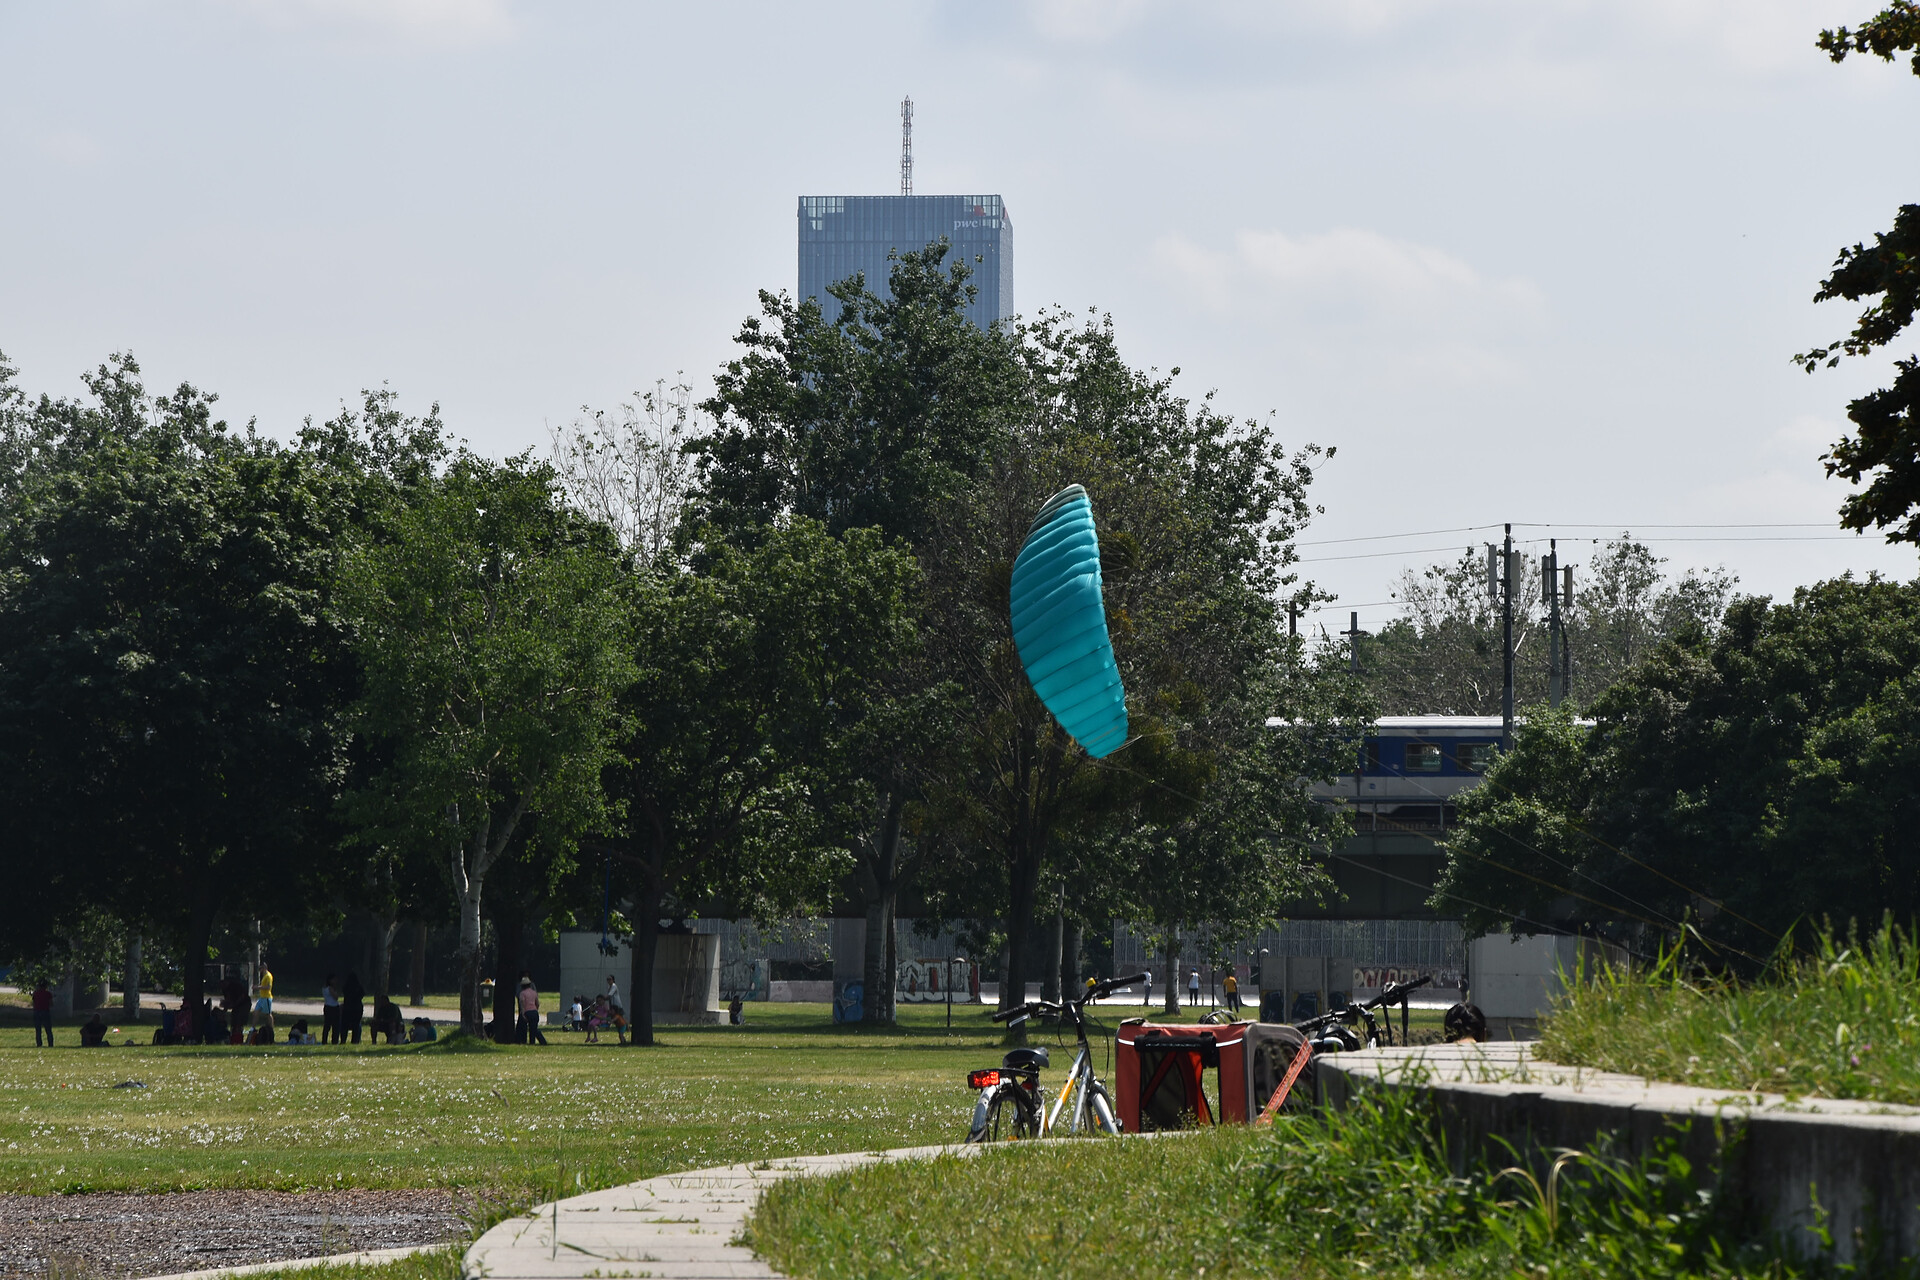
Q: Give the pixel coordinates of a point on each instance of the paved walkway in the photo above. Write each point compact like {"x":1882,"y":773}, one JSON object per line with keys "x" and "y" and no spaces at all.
{"x":680,"y":1226}
{"x":1511,"y":1067}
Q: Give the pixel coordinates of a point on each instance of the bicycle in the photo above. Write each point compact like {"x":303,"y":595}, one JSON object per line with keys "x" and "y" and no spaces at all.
{"x":1010,"y":1100}
{"x":1334,"y":1032}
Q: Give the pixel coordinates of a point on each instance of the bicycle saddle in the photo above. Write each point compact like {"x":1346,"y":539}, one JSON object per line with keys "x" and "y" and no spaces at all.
{"x":1025,"y":1059}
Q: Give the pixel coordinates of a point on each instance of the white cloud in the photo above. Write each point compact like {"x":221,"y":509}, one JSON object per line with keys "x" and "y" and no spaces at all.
{"x":389,"y":23}
{"x":1345,"y":276}
{"x":71,"y":147}
{"x":1087,"y":21}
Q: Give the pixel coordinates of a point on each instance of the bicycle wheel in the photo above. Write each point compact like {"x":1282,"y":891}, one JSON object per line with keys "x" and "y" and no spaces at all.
{"x":1006,"y":1114}
{"x":1101,"y":1104}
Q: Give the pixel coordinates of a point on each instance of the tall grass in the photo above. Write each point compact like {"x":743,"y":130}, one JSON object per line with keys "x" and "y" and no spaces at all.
{"x":1370,"y":1190}
{"x":1840,"y":1019}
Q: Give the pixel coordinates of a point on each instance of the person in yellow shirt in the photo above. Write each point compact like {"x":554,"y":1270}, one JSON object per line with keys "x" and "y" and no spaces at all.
{"x":263,"y":1002}
{"x":1232,"y":985}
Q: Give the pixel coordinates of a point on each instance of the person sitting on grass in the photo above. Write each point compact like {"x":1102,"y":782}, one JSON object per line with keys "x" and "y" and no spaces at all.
{"x":298,"y":1033}
{"x":423,"y":1031}
{"x":93,"y":1032}
{"x":262,"y":1034}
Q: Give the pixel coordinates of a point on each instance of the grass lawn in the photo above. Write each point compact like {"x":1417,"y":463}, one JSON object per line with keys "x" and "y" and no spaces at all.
{"x":512,"y":1121}
{"x":1368,"y":1191}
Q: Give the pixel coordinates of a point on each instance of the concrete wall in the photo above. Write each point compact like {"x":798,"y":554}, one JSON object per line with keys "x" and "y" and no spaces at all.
{"x":1861,"y":1162}
{"x":1515,"y":977}
{"x":686,"y":978}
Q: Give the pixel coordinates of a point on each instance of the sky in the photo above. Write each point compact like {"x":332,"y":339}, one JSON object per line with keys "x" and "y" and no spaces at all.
{"x":1540,"y":263}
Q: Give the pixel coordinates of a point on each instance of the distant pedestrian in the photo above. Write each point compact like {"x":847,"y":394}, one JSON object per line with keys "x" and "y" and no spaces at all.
{"x":233,"y":1002}
{"x":577,"y":1021}
{"x":613,"y":995}
{"x":1091,"y":984}
{"x":1193,"y":988}
{"x":1232,"y":985}
{"x":736,"y":1012}
{"x":42,"y":1013}
{"x":529,"y":1032}
{"x":263,"y":999}
{"x":1146,"y":988}
{"x":330,"y":1012}
{"x":353,"y":1006}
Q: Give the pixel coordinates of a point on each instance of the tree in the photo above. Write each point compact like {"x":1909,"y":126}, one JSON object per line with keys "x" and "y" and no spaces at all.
{"x":1884,"y":451}
{"x":1257,"y":844}
{"x":630,"y":469}
{"x":493,"y":631}
{"x":1197,"y":513}
{"x":172,"y":679}
{"x":750,"y":672}
{"x":1741,"y":782}
{"x":878,"y":419}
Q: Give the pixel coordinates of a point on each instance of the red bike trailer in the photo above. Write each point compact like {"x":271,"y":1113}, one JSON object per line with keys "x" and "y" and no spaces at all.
{"x":1160,"y":1072}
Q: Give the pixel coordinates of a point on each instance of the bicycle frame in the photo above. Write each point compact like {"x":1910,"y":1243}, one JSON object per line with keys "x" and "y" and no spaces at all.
{"x":1082,"y":1085}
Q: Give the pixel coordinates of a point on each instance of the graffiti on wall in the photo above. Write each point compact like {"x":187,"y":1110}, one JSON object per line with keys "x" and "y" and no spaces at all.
{"x":928,"y":982}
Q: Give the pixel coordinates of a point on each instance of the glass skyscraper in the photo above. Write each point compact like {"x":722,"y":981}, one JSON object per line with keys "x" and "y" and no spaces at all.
{"x":842,"y":235}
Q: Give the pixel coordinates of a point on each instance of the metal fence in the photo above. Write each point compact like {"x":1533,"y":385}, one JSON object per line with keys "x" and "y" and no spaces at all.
{"x":1430,"y":946}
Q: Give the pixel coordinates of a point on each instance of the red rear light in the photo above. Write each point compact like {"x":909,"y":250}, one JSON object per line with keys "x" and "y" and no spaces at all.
{"x":982,"y":1079}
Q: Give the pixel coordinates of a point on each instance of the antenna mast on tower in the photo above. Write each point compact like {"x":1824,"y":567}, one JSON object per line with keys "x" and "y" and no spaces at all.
{"x":906,"y":146}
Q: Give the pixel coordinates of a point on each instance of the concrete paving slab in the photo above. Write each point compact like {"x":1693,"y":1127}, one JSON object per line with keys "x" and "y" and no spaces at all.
{"x":679,"y":1226}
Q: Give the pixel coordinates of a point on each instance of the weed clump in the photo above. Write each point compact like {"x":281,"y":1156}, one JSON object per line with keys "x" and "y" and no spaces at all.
{"x":1838,"y":1020}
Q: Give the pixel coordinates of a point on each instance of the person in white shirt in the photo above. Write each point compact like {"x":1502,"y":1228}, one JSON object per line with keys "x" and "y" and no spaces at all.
{"x":1146,"y":989}
{"x":1193,"y":988}
{"x":330,"y":1032}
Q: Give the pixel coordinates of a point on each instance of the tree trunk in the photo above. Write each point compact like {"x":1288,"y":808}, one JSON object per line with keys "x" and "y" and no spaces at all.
{"x":509,"y":932}
{"x":417,"y":971}
{"x":194,"y":963}
{"x":384,"y":928}
{"x":1024,"y":885}
{"x":130,"y":985}
{"x":472,"y":1016}
{"x":1171,"y":1002}
{"x":1050,"y":987}
{"x":646,"y":939}
{"x":1070,"y":958}
{"x":880,"y":878}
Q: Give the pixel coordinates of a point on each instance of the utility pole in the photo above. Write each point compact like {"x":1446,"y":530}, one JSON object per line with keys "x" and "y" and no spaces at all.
{"x":1566,"y":648}
{"x":1354,"y":636}
{"x":1550,"y":596}
{"x":1506,"y":642}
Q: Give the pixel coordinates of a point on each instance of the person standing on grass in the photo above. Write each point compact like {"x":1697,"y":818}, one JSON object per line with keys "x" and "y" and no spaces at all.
{"x":529,"y":1032}
{"x":613,"y":995}
{"x":353,"y":1006}
{"x":1146,"y":988}
{"x":330,"y":1011}
{"x":263,"y":1003}
{"x":42,"y":1013}
{"x":1232,"y":985}
{"x":1193,"y":989}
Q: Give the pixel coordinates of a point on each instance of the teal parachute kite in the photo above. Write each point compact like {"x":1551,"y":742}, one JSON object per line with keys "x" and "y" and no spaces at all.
{"x":1060,"y":624}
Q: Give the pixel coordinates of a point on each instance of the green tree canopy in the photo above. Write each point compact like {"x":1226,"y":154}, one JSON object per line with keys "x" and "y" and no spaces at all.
{"x":171,"y":675}
{"x":1743,"y":782}
{"x":493,"y":629}
{"x":1883,"y":453}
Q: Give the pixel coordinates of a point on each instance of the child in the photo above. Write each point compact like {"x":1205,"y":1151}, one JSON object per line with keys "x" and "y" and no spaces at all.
{"x":577,"y":1017}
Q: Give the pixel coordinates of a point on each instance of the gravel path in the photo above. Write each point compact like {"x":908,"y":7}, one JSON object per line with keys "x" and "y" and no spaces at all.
{"x":125,"y":1236}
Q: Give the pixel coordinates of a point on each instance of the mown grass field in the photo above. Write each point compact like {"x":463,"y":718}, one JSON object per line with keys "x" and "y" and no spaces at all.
{"x":514,"y":1121}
